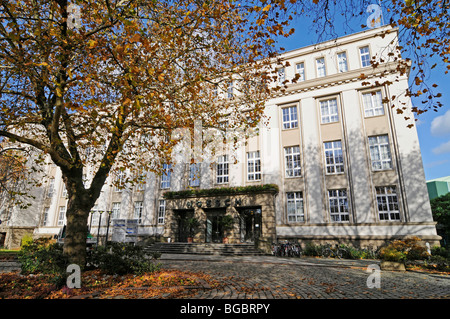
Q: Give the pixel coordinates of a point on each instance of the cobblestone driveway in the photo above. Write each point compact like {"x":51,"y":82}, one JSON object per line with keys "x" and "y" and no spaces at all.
{"x":306,"y":278}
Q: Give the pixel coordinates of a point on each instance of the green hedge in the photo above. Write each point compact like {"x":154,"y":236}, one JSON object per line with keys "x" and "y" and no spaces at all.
{"x":222,"y":191}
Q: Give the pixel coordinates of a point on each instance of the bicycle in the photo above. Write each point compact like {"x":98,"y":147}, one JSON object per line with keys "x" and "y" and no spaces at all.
{"x":338,"y":252}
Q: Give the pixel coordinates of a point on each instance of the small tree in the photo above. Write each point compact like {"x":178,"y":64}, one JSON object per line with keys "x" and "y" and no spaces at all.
{"x":440,"y":207}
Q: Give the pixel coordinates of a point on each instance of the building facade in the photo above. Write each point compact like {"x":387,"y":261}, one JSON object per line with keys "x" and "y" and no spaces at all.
{"x":333,"y":162}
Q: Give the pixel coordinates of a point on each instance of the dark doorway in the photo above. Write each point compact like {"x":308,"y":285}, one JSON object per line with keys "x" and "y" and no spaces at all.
{"x":183,"y":228}
{"x":250,"y":224}
{"x":214,"y":230}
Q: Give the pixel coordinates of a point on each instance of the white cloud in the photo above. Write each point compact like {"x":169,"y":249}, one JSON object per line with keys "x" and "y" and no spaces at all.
{"x":436,"y":163}
{"x":441,"y":124}
{"x":442,"y":149}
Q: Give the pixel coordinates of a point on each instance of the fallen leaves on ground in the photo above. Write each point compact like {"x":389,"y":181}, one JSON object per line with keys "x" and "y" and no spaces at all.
{"x":94,"y":284}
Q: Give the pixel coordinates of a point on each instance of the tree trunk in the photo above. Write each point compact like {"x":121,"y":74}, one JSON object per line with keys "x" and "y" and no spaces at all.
{"x":76,"y":230}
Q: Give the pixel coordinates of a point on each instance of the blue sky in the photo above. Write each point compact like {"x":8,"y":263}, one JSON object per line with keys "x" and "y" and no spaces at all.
{"x":433,"y":128}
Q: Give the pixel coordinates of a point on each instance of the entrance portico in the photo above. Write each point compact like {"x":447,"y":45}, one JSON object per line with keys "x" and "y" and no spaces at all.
{"x":253,"y":215}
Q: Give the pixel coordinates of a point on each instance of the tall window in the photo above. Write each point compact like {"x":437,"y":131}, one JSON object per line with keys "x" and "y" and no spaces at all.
{"x":62,"y":216}
{"x":373,"y":104}
{"x":290,"y":118}
{"x":320,"y":64}
{"x":292,"y":161}
{"x":194,"y":174}
{"x":387,"y":201}
{"x":295,"y":209}
{"x":45,"y":216}
{"x":222,"y":169}
{"x":230,"y":90}
{"x":300,"y":69}
{"x":253,"y":166}
{"x":165,"y":177}
{"x":342,"y":62}
{"x":338,"y":205}
{"x":120,"y":181}
{"x":115,"y":210}
{"x":51,"y":187}
{"x":380,"y":152}
{"x":365,"y":56}
{"x":138,"y":209}
{"x":329,"y":111}
{"x":334,"y":160}
{"x":281,"y":76}
{"x":161,"y":211}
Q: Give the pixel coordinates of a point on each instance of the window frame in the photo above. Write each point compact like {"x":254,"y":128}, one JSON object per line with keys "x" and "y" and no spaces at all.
{"x":138,"y":211}
{"x":373,"y":95}
{"x":342,"y":62}
{"x":297,"y":205}
{"x":161,"y":211}
{"x":318,"y":73}
{"x":291,"y":158}
{"x":303,"y":71}
{"x":290,"y":123}
{"x":166,"y":177}
{"x":115,"y":210}
{"x":254,"y":162}
{"x":361,"y":54}
{"x":194,"y":175}
{"x":378,"y":147}
{"x":389,"y":213}
{"x":336,"y":216}
{"x":61,"y":221}
{"x":331,"y":117}
{"x":333,"y":156}
{"x":223,"y":166}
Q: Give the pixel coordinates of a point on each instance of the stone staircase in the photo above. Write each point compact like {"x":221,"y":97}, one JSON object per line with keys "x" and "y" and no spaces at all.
{"x":205,"y":249}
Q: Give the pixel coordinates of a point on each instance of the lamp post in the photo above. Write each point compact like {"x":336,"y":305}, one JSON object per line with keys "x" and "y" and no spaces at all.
{"x":99,"y":224}
{"x":107,"y":226}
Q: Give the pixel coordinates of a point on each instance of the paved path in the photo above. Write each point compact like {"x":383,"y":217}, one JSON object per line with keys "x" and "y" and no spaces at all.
{"x":268,"y":277}
{"x":261,"y":277}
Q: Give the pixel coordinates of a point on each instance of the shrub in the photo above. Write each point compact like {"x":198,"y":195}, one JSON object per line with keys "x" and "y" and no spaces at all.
{"x":120,"y":259}
{"x":42,"y":256}
{"x":407,"y":249}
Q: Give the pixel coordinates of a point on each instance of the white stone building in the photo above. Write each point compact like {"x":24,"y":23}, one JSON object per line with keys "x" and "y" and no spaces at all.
{"x":346,"y":166}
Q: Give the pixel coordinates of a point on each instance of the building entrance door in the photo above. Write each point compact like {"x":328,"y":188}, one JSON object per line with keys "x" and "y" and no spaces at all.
{"x":214,"y":229}
{"x":183,"y":228}
{"x":250,"y":224}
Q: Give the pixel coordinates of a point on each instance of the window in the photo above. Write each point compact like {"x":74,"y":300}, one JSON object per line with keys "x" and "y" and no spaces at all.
{"x":290,"y":119}
{"x":230,"y":90}
{"x":380,"y":152}
{"x":253,"y":166}
{"x":222,"y":169}
{"x":62,"y":216}
{"x":194,"y":174}
{"x":342,"y":62}
{"x":338,"y":205}
{"x":115,"y":210}
{"x":64,"y":193}
{"x":165,"y":177}
{"x":365,"y":56}
{"x":387,"y":203}
{"x":281,"y":76}
{"x":373,"y":104}
{"x":329,"y":111}
{"x":292,"y":161}
{"x":51,"y":187}
{"x":161,"y":211}
{"x":320,"y":64}
{"x":295,"y":210}
{"x":334,"y":160}
{"x":119,"y":181}
{"x":300,"y":69}
{"x":45,"y":216}
{"x":138,"y":208}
